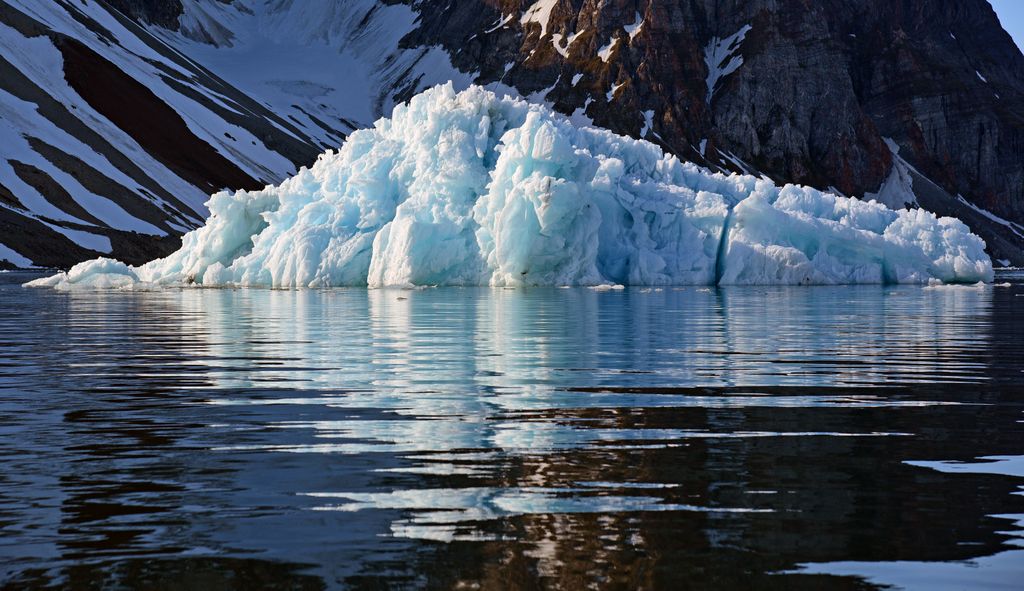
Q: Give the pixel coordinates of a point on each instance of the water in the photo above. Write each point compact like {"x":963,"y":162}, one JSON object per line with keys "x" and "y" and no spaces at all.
{"x":474,"y":438}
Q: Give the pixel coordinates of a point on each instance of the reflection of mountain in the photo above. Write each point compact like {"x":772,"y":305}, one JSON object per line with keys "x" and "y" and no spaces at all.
{"x":200,"y":572}
{"x":579,"y":436}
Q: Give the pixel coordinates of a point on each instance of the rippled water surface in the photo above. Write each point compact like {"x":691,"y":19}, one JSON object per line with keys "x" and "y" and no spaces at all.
{"x":487,"y":438}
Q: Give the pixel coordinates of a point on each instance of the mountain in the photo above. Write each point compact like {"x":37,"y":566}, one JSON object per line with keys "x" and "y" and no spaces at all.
{"x":118,"y":118}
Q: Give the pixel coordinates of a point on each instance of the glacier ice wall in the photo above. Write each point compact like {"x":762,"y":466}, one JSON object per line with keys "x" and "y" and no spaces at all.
{"x":474,"y":189}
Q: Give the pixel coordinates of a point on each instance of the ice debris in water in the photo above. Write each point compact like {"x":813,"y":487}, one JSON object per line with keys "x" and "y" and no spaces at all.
{"x":474,"y":189}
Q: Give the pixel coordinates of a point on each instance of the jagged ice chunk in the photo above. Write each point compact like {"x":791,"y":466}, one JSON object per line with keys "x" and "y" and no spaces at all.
{"x":474,"y":189}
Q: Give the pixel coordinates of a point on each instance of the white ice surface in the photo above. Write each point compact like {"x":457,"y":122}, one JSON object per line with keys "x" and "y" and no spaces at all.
{"x":472,"y":189}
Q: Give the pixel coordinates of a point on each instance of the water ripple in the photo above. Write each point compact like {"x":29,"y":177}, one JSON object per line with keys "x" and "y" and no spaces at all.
{"x":447,"y":437}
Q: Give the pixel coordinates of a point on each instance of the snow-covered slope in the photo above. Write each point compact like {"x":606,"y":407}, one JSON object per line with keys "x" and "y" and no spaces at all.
{"x":115,"y":133}
{"x":326,"y":66}
{"x":473,"y":189}
{"x":113,"y":141}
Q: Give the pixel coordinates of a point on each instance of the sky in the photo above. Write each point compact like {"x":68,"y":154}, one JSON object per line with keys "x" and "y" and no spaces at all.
{"x":1011,"y":14}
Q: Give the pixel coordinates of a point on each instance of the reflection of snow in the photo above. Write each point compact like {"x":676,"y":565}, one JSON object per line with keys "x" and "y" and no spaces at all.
{"x":461,"y":380}
{"x":1006,"y":465}
{"x":999,"y":571}
{"x":449,"y":513}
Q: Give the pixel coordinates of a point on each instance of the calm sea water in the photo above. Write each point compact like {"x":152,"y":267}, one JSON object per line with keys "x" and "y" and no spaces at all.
{"x":783,"y":438}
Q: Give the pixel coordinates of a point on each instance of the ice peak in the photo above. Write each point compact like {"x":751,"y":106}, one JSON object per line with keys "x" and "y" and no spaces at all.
{"x":470,"y":188}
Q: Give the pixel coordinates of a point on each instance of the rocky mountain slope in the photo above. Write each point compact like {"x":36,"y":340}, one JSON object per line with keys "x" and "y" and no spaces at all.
{"x":119,"y":117}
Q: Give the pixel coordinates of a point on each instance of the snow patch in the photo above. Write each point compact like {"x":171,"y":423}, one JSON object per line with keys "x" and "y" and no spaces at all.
{"x":610,"y":95}
{"x":563,"y":50}
{"x":721,"y":59}
{"x":1013,"y":226}
{"x":648,"y":123}
{"x":634,"y":29}
{"x":605,"y":53}
{"x":897,"y":191}
{"x":576,"y":79}
{"x":737,"y":162}
{"x":472,"y":189}
{"x":39,"y":60}
{"x":541,"y":96}
{"x":579,"y":116}
{"x":540,"y":13}
{"x":501,"y":23}
{"x":88,"y":240}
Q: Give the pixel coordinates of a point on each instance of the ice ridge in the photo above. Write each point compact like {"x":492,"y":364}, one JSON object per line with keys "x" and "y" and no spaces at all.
{"x":471,"y":188}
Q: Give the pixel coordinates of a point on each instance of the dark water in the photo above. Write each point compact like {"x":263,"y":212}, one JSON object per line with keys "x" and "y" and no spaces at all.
{"x":798,"y":438}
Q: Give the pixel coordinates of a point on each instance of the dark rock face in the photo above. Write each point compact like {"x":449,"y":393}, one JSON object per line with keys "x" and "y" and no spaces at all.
{"x":944,"y":80}
{"x":163,"y":13}
{"x":821,"y":83}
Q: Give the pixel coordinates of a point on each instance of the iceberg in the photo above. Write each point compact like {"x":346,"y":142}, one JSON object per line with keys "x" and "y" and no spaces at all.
{"x":471,"y":188}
